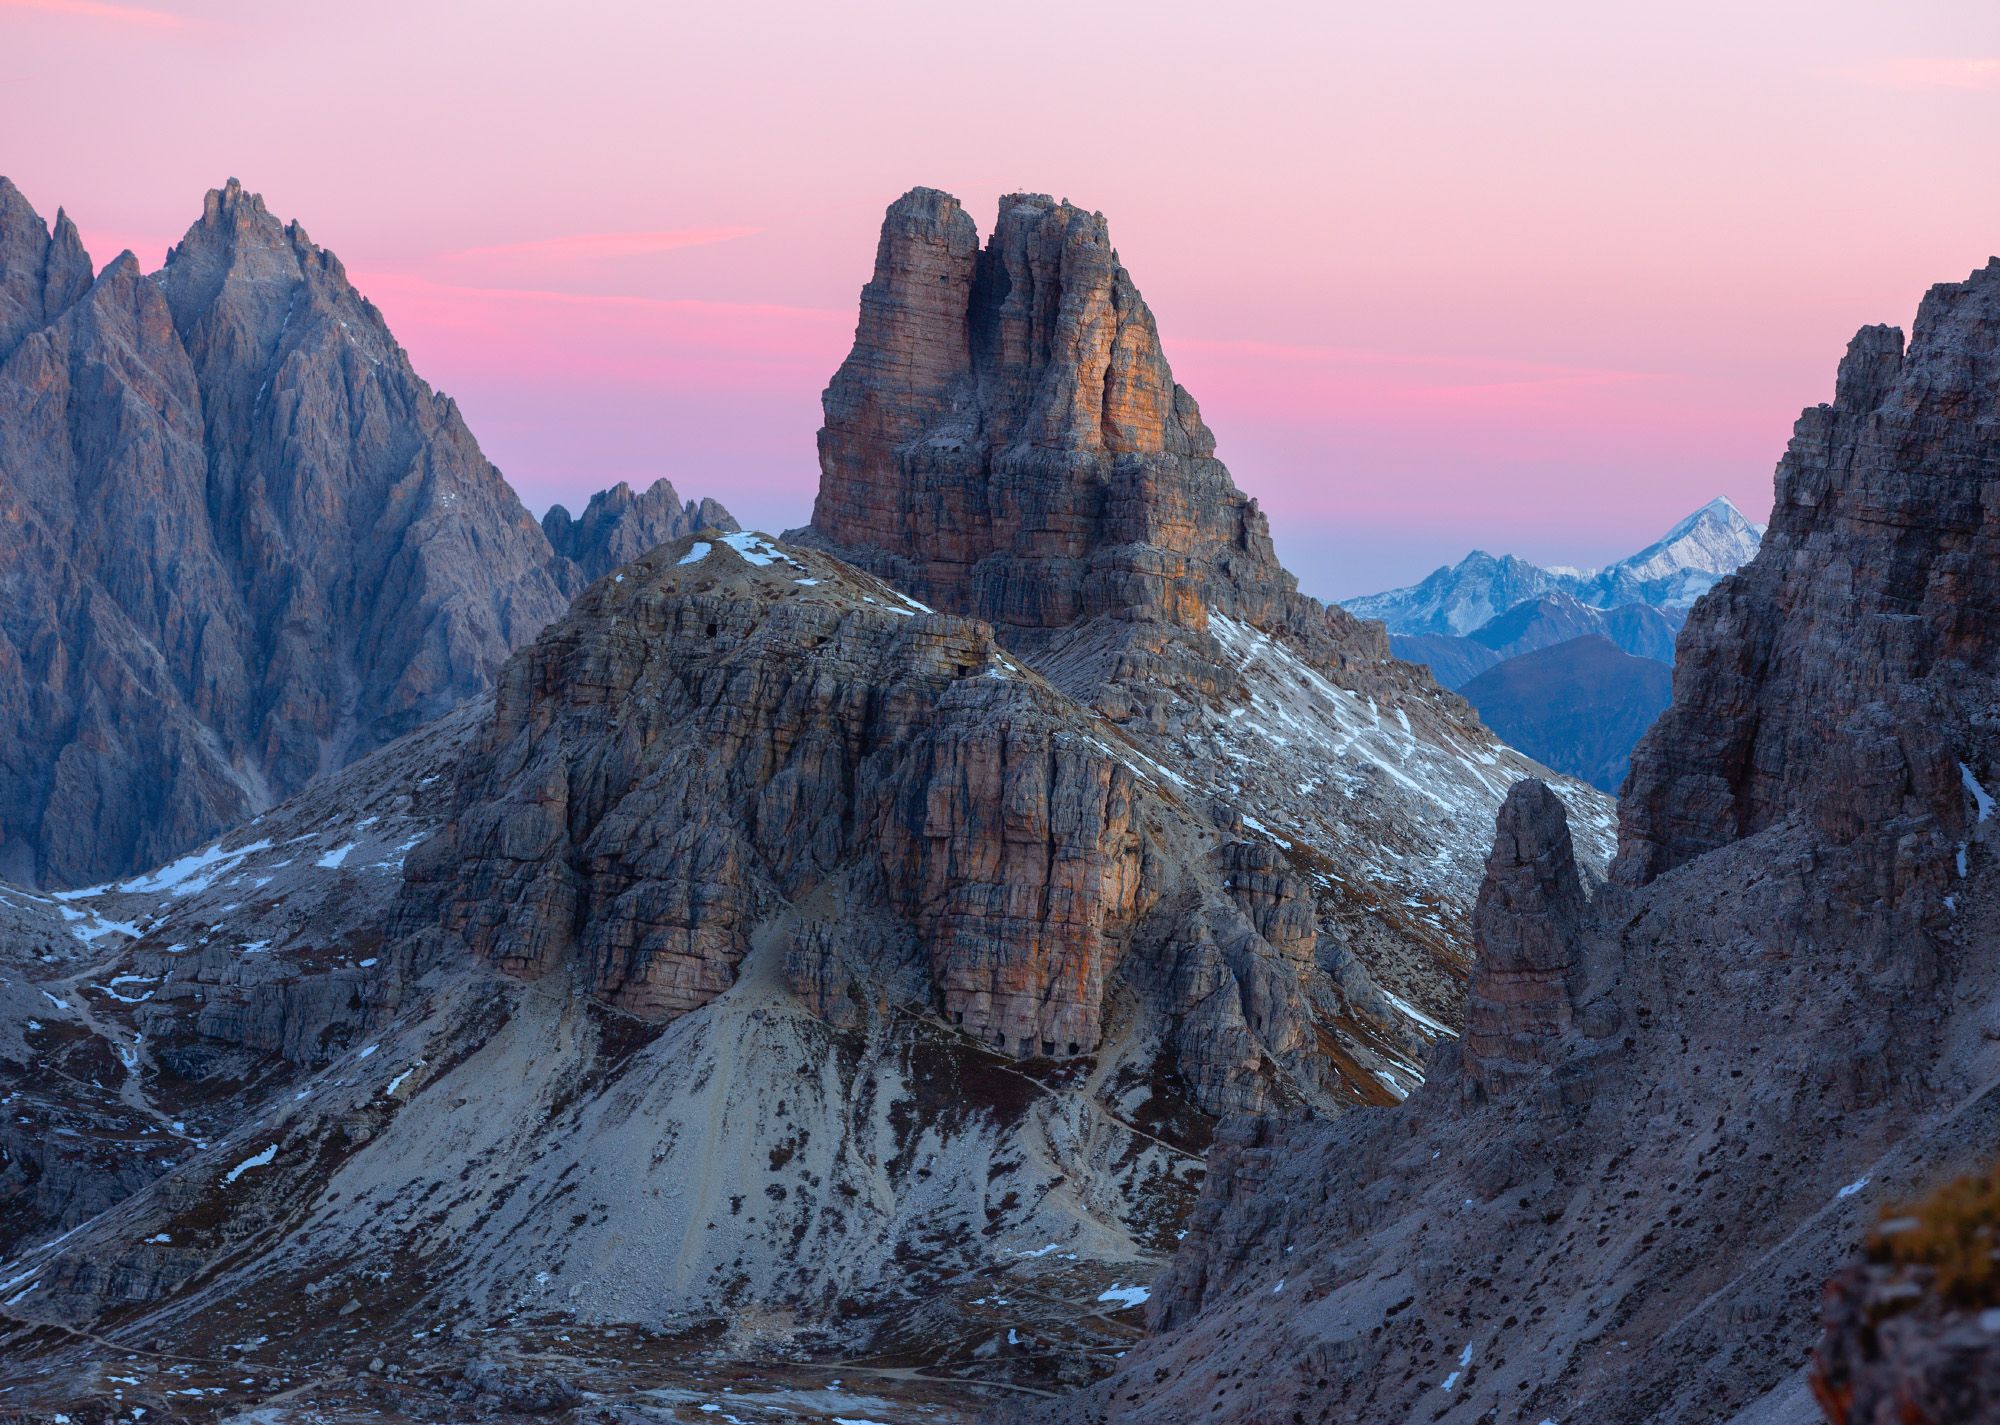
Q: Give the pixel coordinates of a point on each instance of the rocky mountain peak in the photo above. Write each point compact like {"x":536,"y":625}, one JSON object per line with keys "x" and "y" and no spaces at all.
{"x":1858,"y":621}
{"x":1716,"y":539}
{"x":42,"y":272}
{"x":256,"y":544}
{"x":618,"y":526}
{"x":232,"y":206}
{"x":1006,"y":438}
{"x":1873,"y":359}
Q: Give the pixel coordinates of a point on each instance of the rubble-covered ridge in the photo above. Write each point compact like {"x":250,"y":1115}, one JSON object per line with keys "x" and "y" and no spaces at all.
{"x":733,"y":737}
{"x":142,"y":1018}
{"x":790,"y":964}
{"x":1683,"y":1095}
{"x":771,"y":949}
{"x":304,"y":1133}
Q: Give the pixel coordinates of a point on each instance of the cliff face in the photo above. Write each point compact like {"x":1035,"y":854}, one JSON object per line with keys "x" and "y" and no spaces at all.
{"x":250,"y":544}
{"x":1679,"y":1099}
{"x":1006,"y":438}
{"x":772,"y":945}
{"x":735,"y":740}
{"x":1866,"y":619}
{"x":1006,"y":442}
{"x":701,"y":743}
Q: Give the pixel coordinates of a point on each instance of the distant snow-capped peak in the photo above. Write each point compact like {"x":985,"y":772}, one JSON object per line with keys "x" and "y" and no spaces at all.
{"x":1671,"y":573}
{"x":1716,"y":539}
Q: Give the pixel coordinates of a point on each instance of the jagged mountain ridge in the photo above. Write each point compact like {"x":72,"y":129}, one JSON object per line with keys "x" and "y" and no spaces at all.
{"x":1668,"y":574}
{"x":250,"y":544}
{"x":1680,"y":1099}
{"x":1557,"y":702}
{"x":618,"y":526}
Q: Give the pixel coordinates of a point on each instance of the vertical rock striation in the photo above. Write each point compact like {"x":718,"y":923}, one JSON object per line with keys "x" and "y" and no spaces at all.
{"x":1006,"y":438}
{"x":249,"y":544}
{"x":1006,"y":441}
{"x":738,"y":743}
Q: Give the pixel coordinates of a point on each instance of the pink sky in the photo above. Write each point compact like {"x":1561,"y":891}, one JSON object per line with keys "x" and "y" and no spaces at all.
{"x":1536,"y":276}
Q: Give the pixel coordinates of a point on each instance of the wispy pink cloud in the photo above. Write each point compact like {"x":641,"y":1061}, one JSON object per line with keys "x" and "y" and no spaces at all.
{"x":606,"y":337}
{"x":1927,"y":73}
{"x":1519,"y":371}
{"x":589,"y":246}
{"x":609,"y":302}
{"x":138,"y":15}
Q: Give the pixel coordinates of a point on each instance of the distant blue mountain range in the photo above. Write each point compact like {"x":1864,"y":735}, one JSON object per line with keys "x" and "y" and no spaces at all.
{"x":1577,"y":710}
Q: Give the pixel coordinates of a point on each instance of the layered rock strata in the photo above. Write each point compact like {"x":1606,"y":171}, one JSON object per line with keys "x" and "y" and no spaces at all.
{"x":732,"y":736}
{"x":1006,"y":441}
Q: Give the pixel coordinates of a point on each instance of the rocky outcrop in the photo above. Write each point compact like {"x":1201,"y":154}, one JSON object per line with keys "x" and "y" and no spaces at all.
{"x":1682,"y":1096}
{"x":618,"y":526}
{"x":842,"y":960}
{"x":1895,"y":1352}
{"x":251,"y":543}
{"x":1864,"y":612}
{"x":1525,"y":928}
{"x":1911,"y":1334}
{"x":1006,"y":440}
{"x":734,"y":739}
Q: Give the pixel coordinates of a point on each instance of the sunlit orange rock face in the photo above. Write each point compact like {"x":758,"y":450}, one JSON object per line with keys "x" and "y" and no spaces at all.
{"x":1019,"y":856}
{"x":1006,"y":438}
{"x":698,"y":747}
